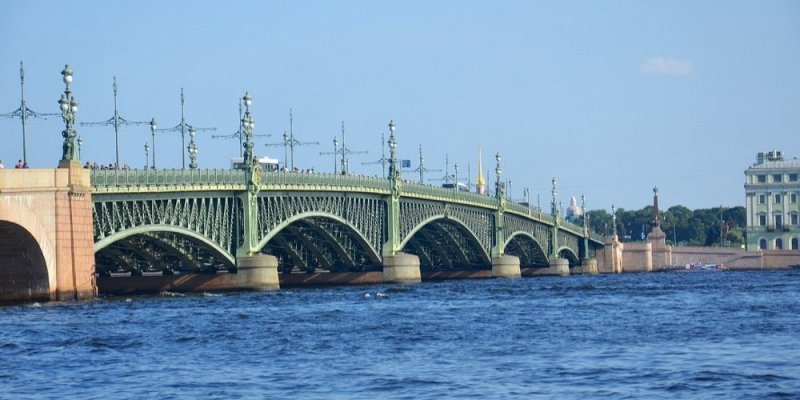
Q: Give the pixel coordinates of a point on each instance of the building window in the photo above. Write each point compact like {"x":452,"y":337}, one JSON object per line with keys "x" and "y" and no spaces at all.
{"x":777,"y":178}
{"x":761,"y":178}
{"x":793,"y":177}
{"x":794,"y":244}
{"x":762,"y":220}
{"x":778,"y":244}
{"x":793,"y":218}
{"x":777,"y":199}
{"x":762,"y":199}
{"x":762,"y":244}
{"x":778,"y":220}
{"x":793,"y":198}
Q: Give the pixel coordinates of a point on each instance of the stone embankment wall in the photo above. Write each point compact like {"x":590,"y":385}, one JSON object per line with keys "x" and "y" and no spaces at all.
{"x":653,"y":255}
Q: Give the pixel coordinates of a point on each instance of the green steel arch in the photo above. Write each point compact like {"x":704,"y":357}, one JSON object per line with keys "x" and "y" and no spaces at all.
{"x":525,"y":234}
{"x":312,"y":214}
{"x":537,"y":253}
{"x":484,"y":254}
{"x":103,"y":243}
{"x":570,"y":253}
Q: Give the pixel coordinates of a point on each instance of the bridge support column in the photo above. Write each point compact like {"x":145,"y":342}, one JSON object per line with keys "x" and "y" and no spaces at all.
{"x":505,"y":267}
{"x":559,"y":266}
{"x":401,"y":268}
{"x":589,"y":266}
{"x":257,"y":272}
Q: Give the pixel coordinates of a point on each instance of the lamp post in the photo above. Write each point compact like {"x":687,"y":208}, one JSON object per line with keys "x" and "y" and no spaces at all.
{"x":290,"y":142}
{"x":146,"y":154}
{"x":192,"y":149}
{"x":23,"y":113}
{"x":286,"y":151}
{"x":248,"y":124}
{"x":498,"y":173}
{"x":116,"y":121}
{"x":335,"y":152}
{"x":69,"y":107}
{"x":80,"y":144}
{"x":153,"y":128}
{"x":394,"y":173}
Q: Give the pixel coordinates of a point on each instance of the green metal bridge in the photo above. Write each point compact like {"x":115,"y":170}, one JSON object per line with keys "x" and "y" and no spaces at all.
{"x":179,"y":221}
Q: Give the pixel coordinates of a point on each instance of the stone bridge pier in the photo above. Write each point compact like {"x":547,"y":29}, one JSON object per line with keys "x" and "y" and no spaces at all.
{"x":46,"y":244}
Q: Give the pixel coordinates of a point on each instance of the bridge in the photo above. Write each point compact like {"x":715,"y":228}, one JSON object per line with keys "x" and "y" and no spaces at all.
{"x":210,"y":229}
{"x":69,"y":231}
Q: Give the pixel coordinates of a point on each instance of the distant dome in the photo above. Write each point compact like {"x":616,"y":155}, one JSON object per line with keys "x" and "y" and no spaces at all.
{"x":573,"y":211}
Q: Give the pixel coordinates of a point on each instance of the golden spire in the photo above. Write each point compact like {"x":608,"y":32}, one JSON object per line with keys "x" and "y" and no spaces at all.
{"x":480,"y":184}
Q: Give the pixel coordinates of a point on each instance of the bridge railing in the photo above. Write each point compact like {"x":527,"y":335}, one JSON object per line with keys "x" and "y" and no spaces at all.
{"x":435,"y":191}
{"x":166,"y":177}
{"x":226,"y":177}
{"x":349,"y":182}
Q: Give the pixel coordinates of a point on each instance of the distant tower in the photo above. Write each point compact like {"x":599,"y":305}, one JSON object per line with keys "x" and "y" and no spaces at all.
{"x":480,"y":184}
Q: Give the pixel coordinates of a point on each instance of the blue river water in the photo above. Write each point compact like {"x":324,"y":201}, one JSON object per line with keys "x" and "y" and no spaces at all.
{"x":676,"y":335}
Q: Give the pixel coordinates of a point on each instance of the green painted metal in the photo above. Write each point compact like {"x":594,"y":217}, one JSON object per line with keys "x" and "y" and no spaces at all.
{"x":407,"y":237}
{"x":69,"y":107}
{"x":274,"y":231}
{"x":140,"y":230}
{"x":240,"y":211}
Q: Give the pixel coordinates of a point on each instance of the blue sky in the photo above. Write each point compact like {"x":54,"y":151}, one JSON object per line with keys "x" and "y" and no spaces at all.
{"x":611,"y":98}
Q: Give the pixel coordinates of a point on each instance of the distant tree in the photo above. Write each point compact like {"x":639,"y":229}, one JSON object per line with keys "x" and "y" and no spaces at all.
{"x":702,"y":227}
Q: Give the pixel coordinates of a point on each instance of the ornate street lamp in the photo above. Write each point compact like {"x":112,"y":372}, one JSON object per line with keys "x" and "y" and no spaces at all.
{"x":80,"y":144}
{"x":394,"y":173}
{"x":69,"y":108}
{"x":153,"y":128}
{"x":498,"y":172}
{"x":192,"y":148}
{"x":146,"y":154}
{"x":248,"y":124}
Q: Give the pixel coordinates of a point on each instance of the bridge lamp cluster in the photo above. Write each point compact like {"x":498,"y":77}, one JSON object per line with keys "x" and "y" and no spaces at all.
{"x":153,"y":128}
{"x":69,"y":107}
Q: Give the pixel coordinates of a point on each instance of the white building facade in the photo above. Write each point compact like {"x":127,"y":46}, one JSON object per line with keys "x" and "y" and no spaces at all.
{"x":773,"y":202}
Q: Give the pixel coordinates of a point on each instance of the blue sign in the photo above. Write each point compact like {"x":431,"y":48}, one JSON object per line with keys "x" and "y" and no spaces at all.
{"x":405,"y":163}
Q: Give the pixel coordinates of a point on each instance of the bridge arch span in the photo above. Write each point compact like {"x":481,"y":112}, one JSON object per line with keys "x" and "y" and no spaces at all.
{"x":320,"y":239}
{"x":525,"y":246}
{"x":24,"y":275}
{"x":569,"y":254}
{"x":158,"y":228}
{"x":446,"y":243}
{"x":28,"y":247}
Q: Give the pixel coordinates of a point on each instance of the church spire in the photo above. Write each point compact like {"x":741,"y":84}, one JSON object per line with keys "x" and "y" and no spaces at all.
{"x":480,"y":183}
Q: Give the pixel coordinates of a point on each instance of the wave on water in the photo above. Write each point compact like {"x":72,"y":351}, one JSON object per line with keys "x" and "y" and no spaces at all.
{"x":172,"y":294}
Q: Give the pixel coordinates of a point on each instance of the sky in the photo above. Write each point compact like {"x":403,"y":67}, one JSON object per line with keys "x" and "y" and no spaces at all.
{"x":611,"y":98}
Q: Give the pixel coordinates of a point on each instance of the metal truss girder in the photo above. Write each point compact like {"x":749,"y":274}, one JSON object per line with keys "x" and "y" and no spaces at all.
{"x":314,"y":247}
{"x":336,"y":244}
{"x":365,"y":214}
{"x":528,"y":249}
{"x":416,"y":213}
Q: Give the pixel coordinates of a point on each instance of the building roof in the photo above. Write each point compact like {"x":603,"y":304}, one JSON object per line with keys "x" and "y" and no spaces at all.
{"x":781,"y":164}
